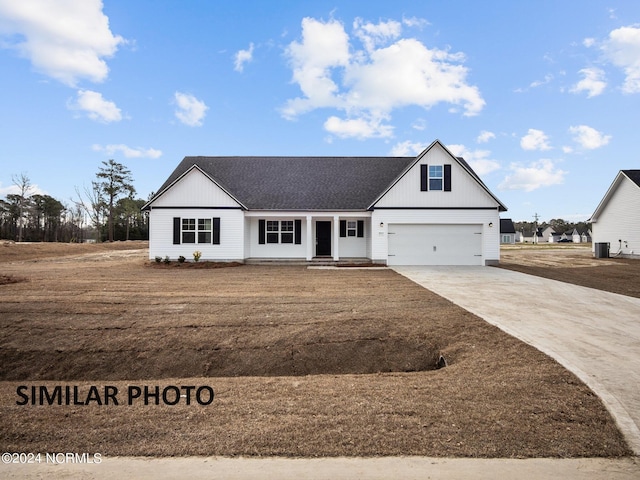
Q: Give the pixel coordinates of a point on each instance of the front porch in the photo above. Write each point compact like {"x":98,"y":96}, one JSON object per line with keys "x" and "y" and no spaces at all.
{"x":319,"y":238}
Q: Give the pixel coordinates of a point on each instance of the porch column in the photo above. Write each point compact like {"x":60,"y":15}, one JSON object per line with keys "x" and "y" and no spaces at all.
{"x":336,"y":237}
{"x":311,"y":242}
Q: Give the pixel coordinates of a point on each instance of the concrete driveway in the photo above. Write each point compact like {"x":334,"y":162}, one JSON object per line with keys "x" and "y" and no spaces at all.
{"x":592,"y":333}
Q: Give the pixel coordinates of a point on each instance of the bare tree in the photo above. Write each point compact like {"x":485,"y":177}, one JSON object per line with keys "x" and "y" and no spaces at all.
{"x":92,"y":204}
{"x":25,"y":189}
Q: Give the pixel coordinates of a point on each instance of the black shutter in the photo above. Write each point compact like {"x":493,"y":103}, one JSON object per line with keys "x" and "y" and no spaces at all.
{"x":447,"y":178}
{"x":424,"y":178}
{"x":216,"y":231}
{"x":261,"y":232}
{"x":298,"y":231}
{"x":176,"y":230}
{"x":360,"y":231}
{"x":343,"y":228}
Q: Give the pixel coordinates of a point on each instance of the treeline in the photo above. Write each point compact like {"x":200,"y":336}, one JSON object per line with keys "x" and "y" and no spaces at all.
{"x":558,"y":224}
{"x":106,"y":211}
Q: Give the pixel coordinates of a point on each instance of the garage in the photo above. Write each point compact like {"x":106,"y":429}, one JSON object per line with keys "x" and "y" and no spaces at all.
{"x":420,"y":244}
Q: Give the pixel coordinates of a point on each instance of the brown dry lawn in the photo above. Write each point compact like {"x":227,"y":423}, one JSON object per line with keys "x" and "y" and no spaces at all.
{"x":575,"y":264}
{"x":303,"y":363}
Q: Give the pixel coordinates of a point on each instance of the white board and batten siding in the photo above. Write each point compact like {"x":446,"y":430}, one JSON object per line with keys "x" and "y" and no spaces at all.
{"x":436,"y":227}
{"x":456,"y":234}
{"x":618,"y":222}
{"x":196,"y":189}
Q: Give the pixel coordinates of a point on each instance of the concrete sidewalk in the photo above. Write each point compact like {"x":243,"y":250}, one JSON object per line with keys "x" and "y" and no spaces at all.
{"x":406,"y":468}
{"x":592,"y":333}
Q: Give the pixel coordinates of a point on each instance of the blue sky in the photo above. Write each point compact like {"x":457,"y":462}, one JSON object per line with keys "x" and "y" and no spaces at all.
{"x":541,"y":97}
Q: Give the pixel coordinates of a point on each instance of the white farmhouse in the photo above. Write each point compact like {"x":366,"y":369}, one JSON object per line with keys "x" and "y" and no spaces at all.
{"x":432,"y":209}
{"x":616,"y":220}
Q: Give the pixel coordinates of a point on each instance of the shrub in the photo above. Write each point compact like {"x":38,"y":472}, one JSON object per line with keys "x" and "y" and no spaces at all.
{"x":181,"y":259}
{"x":196,"y":255}
{"x":167,"y":260}
{"x":158,"y":259}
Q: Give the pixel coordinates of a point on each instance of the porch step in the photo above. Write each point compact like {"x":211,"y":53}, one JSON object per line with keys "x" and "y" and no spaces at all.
{"x":316,"y":261}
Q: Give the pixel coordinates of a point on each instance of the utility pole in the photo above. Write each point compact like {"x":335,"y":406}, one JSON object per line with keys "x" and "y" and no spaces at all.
{"x":536,"y":217}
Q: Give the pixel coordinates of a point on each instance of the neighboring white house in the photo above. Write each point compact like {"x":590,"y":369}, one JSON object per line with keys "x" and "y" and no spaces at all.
{"x":616,"y":220}
{"x":432,"y":209}
{"x":507,"y":231}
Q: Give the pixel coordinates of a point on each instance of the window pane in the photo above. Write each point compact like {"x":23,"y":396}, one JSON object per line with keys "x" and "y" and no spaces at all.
{"x":435,"y":184}
{"x":287,"y":238}
{"x":272,"y":226}
{"x":204,"y":224}
{"x":204,"y":237}
{"x":435,"y":170}
{"x":351,"y":224}
{"x":272,"y":238}
{"x":286,"y":226}
{"x":188,"y":224}
{"x":188,"y":237}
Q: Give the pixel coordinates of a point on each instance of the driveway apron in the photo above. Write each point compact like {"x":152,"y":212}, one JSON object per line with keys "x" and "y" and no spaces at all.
{"x":594,"y":334}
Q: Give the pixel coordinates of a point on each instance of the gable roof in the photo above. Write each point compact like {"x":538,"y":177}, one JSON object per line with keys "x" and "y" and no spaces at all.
{"x":305,"y":183}
{"x":631,"y":175}
{"x":296,"y":183}
{"x":460,"y":160}
{"x":506,"y":226}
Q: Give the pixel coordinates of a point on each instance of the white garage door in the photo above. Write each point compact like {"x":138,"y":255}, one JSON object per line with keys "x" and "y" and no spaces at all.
{"x":435,"y":244}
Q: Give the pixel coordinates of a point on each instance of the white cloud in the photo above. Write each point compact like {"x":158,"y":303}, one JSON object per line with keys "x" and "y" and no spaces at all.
{"x":242,"y":57}
{"x":535,"y":140}
{"x":66,"y":39}
{"x":478,"y":159}
{"x":537,"y":83}
{"x":588,"y":137}
{"x":593,"y":82}
{"x":128,"y":152}
{"x":415,"y":22}
{"x":190,"y":111}
{"x":542,"y":173}
{"x":96,"y":107}
{"x":589,"y":42}
{"x":407,"y":149}
{"x":359,"y":128}
{"x":368,"y":84}
{"x":485,"y":136}
{"x":15,"y":190}
{"x":622,"y":48}
{"x":372,"y":35}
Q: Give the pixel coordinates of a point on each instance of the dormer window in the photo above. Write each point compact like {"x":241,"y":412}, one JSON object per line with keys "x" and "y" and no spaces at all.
{"x":435,"y":177}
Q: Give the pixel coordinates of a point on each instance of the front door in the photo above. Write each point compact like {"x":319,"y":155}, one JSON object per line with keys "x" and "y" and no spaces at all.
{"x":323,"y":239}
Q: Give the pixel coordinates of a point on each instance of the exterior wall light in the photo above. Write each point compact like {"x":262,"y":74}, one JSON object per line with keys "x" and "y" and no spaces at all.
{"x":381,"y":224}
{"x":490,"y":224}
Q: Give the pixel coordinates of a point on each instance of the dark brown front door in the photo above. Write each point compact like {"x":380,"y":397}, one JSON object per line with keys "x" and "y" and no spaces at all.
{"x":323,"y":238}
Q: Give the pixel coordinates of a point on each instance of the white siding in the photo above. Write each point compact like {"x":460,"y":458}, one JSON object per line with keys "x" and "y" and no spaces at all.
{"x":231,"y":234}
{"x":195,"y":189}
{"x":465,"y":190}
{"x":490,"y":235}
{"x":620,"y":220}
{"x":275,"y":250}
{"x":354,"y":247}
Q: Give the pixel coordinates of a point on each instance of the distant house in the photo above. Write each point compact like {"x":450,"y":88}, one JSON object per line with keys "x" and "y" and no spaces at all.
{"x":547,"y":234}
{"x":532,"y":236}
{"x":616,"y":220}
{"x":507,"y":231}
{"x":431,"y":209}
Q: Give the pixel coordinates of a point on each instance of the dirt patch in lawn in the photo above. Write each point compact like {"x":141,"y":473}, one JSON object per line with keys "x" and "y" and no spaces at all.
{"x":284,"y":349}
{"x":575,"y":265}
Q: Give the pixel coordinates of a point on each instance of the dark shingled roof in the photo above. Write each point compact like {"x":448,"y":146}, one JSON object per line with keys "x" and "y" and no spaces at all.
{"x":299,"y":183}
{"x":506,"y":226}
{"x":634,"y":176}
